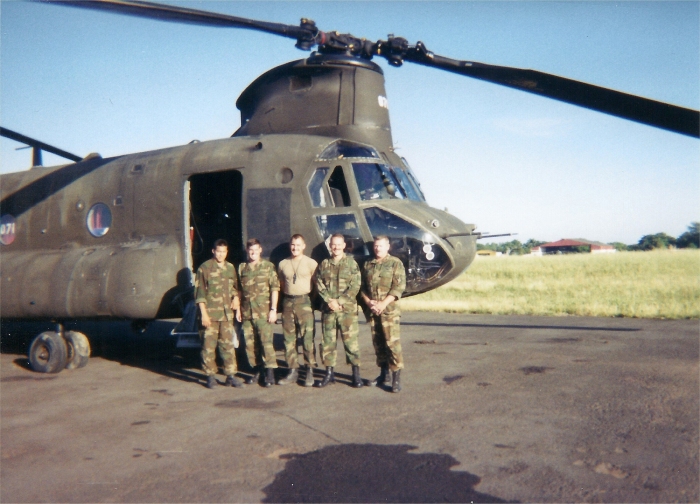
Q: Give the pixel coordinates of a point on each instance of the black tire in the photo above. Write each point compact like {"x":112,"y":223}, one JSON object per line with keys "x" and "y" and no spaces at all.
{"x":78,"y":349}
{"x":47,"y":354}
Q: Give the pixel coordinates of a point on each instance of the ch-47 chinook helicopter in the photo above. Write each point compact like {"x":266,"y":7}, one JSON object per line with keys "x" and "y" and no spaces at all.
{"x":119,"y":238}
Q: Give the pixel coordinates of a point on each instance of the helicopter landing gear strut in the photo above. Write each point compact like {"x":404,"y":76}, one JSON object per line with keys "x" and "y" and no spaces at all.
{"x":53,"y":351}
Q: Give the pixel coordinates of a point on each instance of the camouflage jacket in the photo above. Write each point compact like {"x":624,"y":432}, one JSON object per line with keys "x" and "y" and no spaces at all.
{"x":216,"y":287}
{"x":256,"y":285}
{"x":384,"y":278}
{"x":339,"y":281}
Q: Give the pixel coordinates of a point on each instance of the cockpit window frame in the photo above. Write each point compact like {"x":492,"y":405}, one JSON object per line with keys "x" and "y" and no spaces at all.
{"x":334,"y":150}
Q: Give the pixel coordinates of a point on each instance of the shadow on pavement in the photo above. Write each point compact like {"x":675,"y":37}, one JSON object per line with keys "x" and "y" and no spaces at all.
{"x":373,"y":473}
{"x":146,"y":345}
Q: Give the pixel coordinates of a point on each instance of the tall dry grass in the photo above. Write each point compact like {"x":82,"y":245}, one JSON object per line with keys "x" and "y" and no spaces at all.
{"x":657,"y":284}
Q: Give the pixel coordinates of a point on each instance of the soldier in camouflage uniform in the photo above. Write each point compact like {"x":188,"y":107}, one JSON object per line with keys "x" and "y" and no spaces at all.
{"x":338,"y":282}
{"x":259,"y":288}
{"x":216,"y":295}
{"x":296,"y":274}
{"x":383,"y":283}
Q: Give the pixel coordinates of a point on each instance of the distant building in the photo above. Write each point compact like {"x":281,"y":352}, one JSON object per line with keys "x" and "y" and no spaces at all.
{"x":536,"y":251}
{"x":568,"y":246}
{"x":488,"y":253}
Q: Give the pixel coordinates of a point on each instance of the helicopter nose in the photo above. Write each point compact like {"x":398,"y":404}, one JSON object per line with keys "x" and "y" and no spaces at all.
{"x":430,"y":260}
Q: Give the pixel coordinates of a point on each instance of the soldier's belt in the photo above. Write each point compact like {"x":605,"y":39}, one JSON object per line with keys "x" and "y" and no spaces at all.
{"x":289,"y":296}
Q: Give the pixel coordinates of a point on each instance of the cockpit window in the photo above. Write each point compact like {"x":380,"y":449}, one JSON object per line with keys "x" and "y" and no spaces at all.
{"x":344,"y":149}
{"x":317,"y":190}
{"x":407,"y":184}
{"x":338,"y":188}
{"x":334,"y":193}
{"x":424,"y":258}
{"x":346,"y":224}
{"x":413,"y":178}
{"x":376,"y":181}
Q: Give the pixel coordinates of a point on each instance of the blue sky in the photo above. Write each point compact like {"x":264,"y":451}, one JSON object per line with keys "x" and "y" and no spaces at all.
{"x":89,"y":81}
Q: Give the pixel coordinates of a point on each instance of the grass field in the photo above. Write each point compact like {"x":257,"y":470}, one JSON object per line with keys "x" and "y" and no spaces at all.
{"x":657,"y":284}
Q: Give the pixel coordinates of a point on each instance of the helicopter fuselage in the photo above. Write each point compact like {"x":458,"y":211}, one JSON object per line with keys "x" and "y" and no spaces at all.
{"x":120,"y":237}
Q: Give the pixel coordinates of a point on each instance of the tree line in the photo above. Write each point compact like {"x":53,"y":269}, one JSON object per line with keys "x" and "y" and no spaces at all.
{"x":689,"y":239}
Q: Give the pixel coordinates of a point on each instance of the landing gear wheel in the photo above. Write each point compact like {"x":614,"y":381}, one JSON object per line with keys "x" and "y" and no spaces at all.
{"x":78,"y":350}
{"x":48,"y":353}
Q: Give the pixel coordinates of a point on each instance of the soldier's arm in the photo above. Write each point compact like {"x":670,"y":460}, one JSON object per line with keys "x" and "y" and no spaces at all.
{"x":235,"y":298}
{"x":274,"y":284}
{"x":321,"y":286}
{"x":364,"y":288}
{"x":280,"y":278}
{"x":273,"y":280}
{"x":398,"y":280}
{"x":313,"y":281}
{"x":200,"y":294}
{"x":272,"y":316}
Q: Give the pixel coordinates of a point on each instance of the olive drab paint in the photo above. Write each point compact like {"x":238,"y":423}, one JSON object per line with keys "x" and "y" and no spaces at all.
{"x":164,"y":208}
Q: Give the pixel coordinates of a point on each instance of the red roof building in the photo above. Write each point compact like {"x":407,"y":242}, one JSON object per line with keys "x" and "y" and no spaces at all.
{"x":568,"y":246}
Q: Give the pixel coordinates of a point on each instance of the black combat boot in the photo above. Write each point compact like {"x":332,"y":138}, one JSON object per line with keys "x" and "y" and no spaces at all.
{"x":232,"y":381}
{"x":211,"y":381}
{"x":292,"y":377}
{"x":329,"y":378}
{"x":356,"y":380}
{"x":269,"y":377}
{"x":396,"y":382}
{"x":254,"y":377}
{"x":309,"y":381}
{"x":384,"y":377}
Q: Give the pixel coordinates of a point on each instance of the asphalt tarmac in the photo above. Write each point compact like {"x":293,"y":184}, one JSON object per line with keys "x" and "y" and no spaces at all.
{"x":493,"y":409}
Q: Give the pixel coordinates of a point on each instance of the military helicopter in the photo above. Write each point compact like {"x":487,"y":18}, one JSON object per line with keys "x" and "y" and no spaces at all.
{"x":118,"y":238}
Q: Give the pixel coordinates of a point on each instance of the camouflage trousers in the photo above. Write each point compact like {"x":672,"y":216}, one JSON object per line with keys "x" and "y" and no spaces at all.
{"x":258,"y":343}
{"x":298,"y":321}
{"x":218,"y":334}
{"x":346,"y":323}
{"x":386,"y":339}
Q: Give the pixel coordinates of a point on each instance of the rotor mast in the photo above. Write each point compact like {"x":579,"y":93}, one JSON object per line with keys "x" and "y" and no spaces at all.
{"x":396,"y":50}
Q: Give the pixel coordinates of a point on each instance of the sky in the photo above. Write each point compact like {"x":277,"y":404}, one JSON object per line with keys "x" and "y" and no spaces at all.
{"x":507,"y":161}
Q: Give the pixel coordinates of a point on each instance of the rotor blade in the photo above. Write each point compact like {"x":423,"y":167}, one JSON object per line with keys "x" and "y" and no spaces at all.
{"x":627,"y":106}
{"x":163,"y":12}
{"x":37,"y":144}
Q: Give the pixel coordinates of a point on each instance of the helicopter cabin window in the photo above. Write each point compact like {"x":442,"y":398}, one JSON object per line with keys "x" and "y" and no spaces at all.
{"x":317,"y":190}
{"x":99,"y":219}
{"x":345,"y":224}
{"x":376,"y":181}
{"x":344,"y":149}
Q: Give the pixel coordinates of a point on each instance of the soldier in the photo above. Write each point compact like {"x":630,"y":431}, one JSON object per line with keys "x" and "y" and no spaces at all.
{"x":338,"y":282}
{"x":296,"y":274}
{"x":217,"y":297}
{"x":259,"y":288}
{"x":383,"y":282}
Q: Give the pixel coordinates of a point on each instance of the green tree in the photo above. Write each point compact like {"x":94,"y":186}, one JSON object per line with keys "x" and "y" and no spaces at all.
{"x":691,"y":238}
{"x":530,"y":244}
{"x":513,"y":247}
{"x":619,"y":246}
{"x":656,"y":241}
